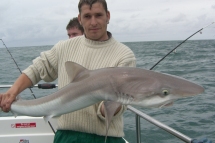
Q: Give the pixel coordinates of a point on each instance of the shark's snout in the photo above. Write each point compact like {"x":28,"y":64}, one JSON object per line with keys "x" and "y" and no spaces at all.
{"x":193,"y":90}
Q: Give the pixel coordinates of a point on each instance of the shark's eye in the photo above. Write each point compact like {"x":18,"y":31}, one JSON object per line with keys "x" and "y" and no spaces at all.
{"x":165,"y":92}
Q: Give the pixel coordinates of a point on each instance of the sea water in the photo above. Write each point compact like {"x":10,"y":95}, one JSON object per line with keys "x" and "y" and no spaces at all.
{"x":193,"y":60}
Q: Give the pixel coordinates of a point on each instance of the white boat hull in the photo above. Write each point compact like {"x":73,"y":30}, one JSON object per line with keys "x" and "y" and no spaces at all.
{"x":25,"y":129}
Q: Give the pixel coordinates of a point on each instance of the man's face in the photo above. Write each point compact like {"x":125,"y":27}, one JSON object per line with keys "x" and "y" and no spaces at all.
{"x":73,"y":32}
{"x":94,"y":21}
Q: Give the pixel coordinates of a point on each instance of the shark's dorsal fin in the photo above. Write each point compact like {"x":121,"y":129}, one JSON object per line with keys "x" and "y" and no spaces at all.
{"x":110,"y":108}
{"x":75,"y":71}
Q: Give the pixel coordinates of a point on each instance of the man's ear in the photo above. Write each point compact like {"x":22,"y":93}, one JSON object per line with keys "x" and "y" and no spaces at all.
{"x":79,"y":18}
{"x":108,"y":15}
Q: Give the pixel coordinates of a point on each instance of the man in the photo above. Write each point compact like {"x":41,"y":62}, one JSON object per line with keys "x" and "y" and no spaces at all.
{"x":74,"y":28}
{"x":95,"y":49}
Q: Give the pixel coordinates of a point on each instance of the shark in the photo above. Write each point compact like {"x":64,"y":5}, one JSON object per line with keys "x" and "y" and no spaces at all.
{"x":115,"y":86}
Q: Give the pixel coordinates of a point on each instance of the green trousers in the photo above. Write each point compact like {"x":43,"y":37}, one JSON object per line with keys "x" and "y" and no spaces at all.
{"x":67,"y":136}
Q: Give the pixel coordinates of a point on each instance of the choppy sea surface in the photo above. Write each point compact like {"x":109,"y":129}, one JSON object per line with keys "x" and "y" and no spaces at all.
{"x":193,"y":60}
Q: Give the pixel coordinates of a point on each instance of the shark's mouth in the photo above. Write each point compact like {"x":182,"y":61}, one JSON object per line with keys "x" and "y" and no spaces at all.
{"x":168,"y":103}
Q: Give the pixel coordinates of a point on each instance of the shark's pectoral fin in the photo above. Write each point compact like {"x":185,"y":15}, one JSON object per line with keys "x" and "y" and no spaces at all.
{"x":110,"y":108}
{"x":74,"y":70}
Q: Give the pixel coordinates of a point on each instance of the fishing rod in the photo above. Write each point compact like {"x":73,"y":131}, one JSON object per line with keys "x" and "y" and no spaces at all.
{"x":180,"y":45}
{"x":32,"y":93}
{"x":16,"y":65}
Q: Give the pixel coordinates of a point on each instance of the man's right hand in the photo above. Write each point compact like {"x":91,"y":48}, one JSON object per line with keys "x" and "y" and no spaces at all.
{"x":6,"y":100}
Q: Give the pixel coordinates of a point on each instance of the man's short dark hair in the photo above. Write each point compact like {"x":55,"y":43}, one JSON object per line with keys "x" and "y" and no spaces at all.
{"x":74,"y":23}
{"x":91,"y":2}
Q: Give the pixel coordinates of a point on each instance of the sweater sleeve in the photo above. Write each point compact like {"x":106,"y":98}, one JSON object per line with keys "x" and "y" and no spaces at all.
{"x":44,"y":67}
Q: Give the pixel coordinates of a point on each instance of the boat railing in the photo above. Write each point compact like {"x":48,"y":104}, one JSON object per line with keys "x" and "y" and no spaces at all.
{"x":138,"y":114}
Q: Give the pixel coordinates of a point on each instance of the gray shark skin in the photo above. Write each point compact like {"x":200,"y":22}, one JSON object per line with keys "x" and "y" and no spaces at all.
{"x":120,"y":85}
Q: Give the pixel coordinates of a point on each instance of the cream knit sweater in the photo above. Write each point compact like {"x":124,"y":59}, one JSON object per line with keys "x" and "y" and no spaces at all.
{"x":92,"y":55}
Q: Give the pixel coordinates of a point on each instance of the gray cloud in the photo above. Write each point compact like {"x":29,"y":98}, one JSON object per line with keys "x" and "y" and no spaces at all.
{"x":165,"y":10}
{"x":179,"y":18}
{"x":43,"y":22}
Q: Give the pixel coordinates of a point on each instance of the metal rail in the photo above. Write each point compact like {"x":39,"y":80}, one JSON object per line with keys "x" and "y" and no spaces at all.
{"x":41,"y":86}
{"x":157,"y":123}
{"x":138,"y":114}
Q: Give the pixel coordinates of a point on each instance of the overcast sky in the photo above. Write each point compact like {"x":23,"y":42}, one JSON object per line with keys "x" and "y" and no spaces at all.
{"x":43,"y":22}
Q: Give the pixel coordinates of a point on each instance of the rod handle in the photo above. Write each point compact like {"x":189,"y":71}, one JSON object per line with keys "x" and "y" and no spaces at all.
{"x":46,"y":86}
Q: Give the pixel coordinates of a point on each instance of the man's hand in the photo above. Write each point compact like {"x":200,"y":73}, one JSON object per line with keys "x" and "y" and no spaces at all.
{"x":6,"y":100}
